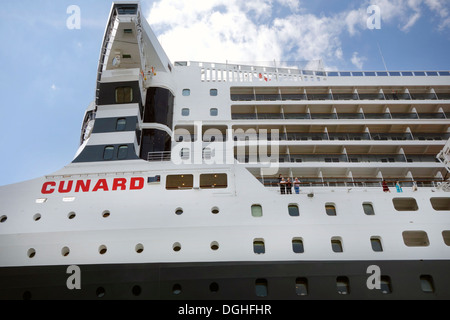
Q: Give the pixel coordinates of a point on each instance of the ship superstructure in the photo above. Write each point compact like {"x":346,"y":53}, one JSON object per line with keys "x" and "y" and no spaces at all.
{"x":175,"y":190}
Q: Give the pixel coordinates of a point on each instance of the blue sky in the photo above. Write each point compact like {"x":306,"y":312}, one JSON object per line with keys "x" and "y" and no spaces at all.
{"x":48,"y":71}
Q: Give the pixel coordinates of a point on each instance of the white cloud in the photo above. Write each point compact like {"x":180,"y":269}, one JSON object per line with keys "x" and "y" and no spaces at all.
{"x":358,"y":61}
{"x":268,"y":30}
{"x":232,"y":30}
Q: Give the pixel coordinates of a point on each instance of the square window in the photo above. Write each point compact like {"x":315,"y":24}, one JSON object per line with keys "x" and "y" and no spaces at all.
{"x":124,"y":95}
{"x":257,"y":211}
{"x":258,"y":246}
{"x":185,"y":112}
{"x":213,"y":92}
{"x":214,"y":112}
{"x":426,"y":283}
{"x":186,"y":92}
{"x":368,"y":209}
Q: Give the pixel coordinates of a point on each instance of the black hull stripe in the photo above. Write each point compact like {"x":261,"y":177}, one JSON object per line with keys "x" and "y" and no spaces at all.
{"x":227,"y":281}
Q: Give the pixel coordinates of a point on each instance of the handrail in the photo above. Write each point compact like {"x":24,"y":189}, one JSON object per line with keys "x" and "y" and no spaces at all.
{"x":159,"y":156}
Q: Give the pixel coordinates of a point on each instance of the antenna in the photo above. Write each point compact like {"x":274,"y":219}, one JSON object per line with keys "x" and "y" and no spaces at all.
{"x":384,"y":62}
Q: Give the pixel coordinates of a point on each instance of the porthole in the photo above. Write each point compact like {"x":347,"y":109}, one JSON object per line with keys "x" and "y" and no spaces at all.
{"x":215,"y":210}
{"x":214,"y":287}
{"x":178,"y":211}
{"x":106,"y":214}
{"x":176,"y":247}
{"x":136,"y":290}
{"x":139,"y":248}
{"x":100,"y":292}
{"x":176,"y":289}
{"x":37,"y":217}
{"x":31,"y":253}
{"x":102,"y":249}
{"x":65,"y":251}
{"x":71,"y":215}
{"x":214,"y":245}
{"x":3,"y":219}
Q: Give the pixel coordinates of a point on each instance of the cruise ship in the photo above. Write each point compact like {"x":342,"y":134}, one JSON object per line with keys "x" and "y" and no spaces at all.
{"x":202,"y":181}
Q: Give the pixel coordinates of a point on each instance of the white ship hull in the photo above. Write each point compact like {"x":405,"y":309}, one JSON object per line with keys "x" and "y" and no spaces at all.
{"x":139,"y":224}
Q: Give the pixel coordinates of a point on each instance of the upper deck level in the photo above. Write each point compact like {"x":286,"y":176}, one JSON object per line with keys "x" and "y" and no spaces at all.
{"x":240,"y":73}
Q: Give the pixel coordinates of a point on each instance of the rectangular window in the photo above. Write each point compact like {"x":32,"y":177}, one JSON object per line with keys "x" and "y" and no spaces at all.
{"x":213,"y":92}
{"x":368,"y":209}
{"x":293,"y":210}
{"x":336,"y":244}
{"x":185,"y":112}
{"x":376,"y":244}
{"x":301,"y":286}
{"x":415,"y":238}
{"x":108,"y":153}
{"x":440,"y":204}
{"x":261,"y":288}
{"x":297,"y":245}
{"x":446,"y":237}
{"x":330,"y":209}
{"x":122,"y":153}
{"x":426,"y":283}
{"x":385,"y":284}
{"x":214,"y":181}
{"x":124,"y":95}
{"x":121,"y":124}
{"x":405,"y":204}
{"x":214,"y":112}
{"x":343,"y":285}
{"x":175,"y":182}
{"x":186,"y":92}
{"x":258,"y":246}
{"x":257,"y":211}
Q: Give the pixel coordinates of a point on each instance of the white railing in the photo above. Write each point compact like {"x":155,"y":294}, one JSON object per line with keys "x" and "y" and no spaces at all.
{"x":159,"y":156}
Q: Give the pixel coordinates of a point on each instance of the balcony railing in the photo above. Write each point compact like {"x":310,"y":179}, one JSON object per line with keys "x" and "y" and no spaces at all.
{"x":356,"y":115}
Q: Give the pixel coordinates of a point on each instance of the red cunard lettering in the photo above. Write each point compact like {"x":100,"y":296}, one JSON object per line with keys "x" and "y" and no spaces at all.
{"x":46,"y":188}
{"x":83,"y":186}
{"x":63,"y":189}
{"x":137,"y":183}
{"x":118,"y":184}
{"x":101,"y":184}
